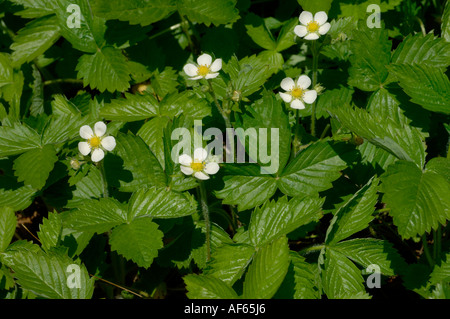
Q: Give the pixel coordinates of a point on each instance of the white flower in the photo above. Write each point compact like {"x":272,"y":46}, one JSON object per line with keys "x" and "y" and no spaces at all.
{"x":96,"y":141}
{"x":205,"y":69}
{"x":297,"y":93}
{"x":311,"y":27}
{"x":201,"y":166}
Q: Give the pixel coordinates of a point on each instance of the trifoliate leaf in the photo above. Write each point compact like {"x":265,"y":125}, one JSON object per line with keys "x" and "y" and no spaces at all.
{"x":50,"y":231}
{"x":138,"y":240}
{"x":106,"y":69}
{"x":34,"y":166}
{"x":8,"y":224}
{"x":418,"y":201}
{"x":207,"y":287}
{"x":267,"y":270}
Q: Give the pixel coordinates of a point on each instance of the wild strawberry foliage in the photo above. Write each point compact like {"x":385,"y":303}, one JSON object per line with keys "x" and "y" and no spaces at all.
{"x":224,"y":149}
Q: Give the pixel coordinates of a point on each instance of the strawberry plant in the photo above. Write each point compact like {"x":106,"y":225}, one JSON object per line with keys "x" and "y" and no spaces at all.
{"x":224,"y":149}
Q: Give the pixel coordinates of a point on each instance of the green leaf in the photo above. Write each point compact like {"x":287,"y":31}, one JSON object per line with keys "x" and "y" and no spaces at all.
{"x":50,"y":231}
{"x":97,"y":215}
{"x":135,"y":11}
{"x":262,"y":117}
{"x":371,"y":53}
{"x":229,"y":261}
{"x":247,"y":191}
{"x":445,"y":27}
{"x":440,"y":166}
{"x":106,"y":69}
{"x":216,"y":12}
{"x":48,"y":275}
{"x":404,"y":142}
{"x":341,"y":279}
{"x":34,"y":166}
{"x":161,"y":203}
{"x":34,"y":39}
{"x":207,"y":287}
{"x":259,"y":32}
{"x":11,"y":85}
{"x":367,"y":251}
{"x":140,"y":162}
{"x":133,"y":107}
{"x":152,"y":133}
{"x":305,"y":278}
{"x":419,"y":49}
{"x":314,"y":169}
{"x":138,"y":240}
{"x":418,"y":201}
{"x":89,"y":36}
{"x":441,"y":272}
{"x":267,"y":270}
{"x":315,"y":5}
{"x":36,"y":8}
{"x":355,"y":215}
{"x":62,"y":128}
{"x":88,"y":186}
{"x":286,"y":36}
{"x":17,"y":139}
{"x":8,"y":223}
{"x":17,"y":199}
{"x":426,"y":85}
{"x":278,"y":218}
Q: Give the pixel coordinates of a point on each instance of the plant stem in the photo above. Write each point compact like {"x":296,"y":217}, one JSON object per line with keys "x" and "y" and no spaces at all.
{"x":310,"y":249}
{"x":58,"y":81}
{"x":297,"y":133}
{"x":427,"y":251}
{"x":315,"y":53}
{"x":205,"y":211}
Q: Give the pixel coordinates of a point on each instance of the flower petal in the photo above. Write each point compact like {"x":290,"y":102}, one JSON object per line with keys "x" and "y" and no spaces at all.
{"x":324,"y":28}
{"x":311,"y":36}
{"x":198,"y":77}
{"x":100,"y":129}
{"x":190,"y":69}
{"x":185,"y":160}
{"x":297,"y":104}
{"x":310,"y":96}
{"x":186,"y":170}
{"x":216,"y":66}
{"x":286,"y":97}
{"x":305,"y":17}
{"x":86,"y":132}
{"x":287,"y":84}
{"x":211,"y":75}
{"x":204,"y":59}
{"x":320,"y":17}
{"x":108,"y":143}
{"x":211,"y":168}
{"x":200,"y":154}
{"x":201,"y":175}
{"x":97,"y":155}
{"x":300,"y":31}
{"x":84,"y":148}
{"x":303,"y":82}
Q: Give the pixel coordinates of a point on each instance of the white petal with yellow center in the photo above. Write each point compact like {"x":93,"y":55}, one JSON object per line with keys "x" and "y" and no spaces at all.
{"x":305,"y":17}
{"x":100,"y":129}
{"x":310,"y":96}
{"x":320,"y":17}
{"x":297,"y":104}
{"x":286,"y":97}
{"x":200,"y":154}
{"x":86,"y":132}
{"x":204,"y":59}
{"x":287,"y":84}
{"x":300,"y":31}
{"x":84,"y":148}
{"x":190,"y":69}
{"x":97,"y":155}
{"x":216,"y":66}
{"x":201,"y":175}
{"x":211,"y":168}
{"x":108,"y":143}
{"x":303,"y":82}
{"x":324,"y":28}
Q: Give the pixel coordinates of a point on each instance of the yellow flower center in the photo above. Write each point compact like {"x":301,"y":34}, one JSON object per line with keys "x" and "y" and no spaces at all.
{"x":94,"y":142}
{"x":297,"y":93}
{"x":313,"y":26}
{"x":197,"y":166}
{"x":203,"y":70}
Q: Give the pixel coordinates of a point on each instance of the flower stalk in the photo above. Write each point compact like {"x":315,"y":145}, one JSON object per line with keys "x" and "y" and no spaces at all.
{"x":315,"y":54}
{"x":205,"y":211}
